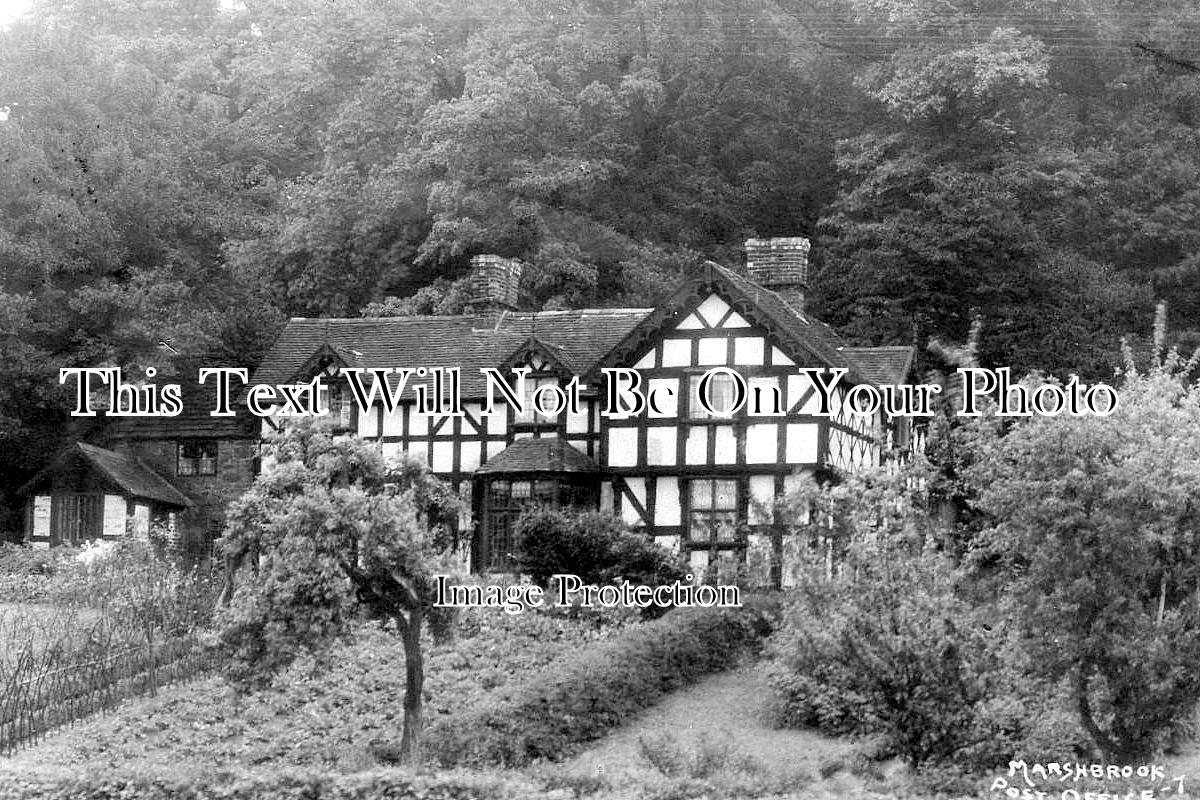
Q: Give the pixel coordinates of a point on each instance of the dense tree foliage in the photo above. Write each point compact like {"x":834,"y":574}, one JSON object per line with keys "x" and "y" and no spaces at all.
{"x":195,"y":172}
{"x":1093,"y":532}
{"x":331,"y":532}
{"x":1063,"y":616}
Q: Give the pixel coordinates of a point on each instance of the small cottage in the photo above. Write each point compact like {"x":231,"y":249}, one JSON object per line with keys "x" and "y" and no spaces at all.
{"x":88,"y":493}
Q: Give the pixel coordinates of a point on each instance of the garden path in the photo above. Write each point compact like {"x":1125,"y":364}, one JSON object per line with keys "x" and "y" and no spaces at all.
{"x":726,"y":707}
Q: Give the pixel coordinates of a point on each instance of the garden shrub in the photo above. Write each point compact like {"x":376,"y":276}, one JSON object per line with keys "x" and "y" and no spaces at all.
{"x":390,"y":783}
{"x":595,"y":546}
{"x":273,"y":786}
{"x":1088,"y":524}
{"x":893,"y":651}
{"x":583,"y":695}
{"x":705,"y":758}
{"x":19,"y":559}
{"x":28,"y":574}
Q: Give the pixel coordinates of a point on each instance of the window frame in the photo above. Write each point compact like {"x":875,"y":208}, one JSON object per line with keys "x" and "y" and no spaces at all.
{"x":197,"y":461}
{"x":695,"y":411}
{"x":713,"y":511}
{"x":533,"y":419}
{"x":343,"y":409}
{"x":500,"y":510}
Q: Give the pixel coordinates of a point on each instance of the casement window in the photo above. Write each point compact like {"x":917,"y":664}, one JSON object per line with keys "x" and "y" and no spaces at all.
{"x":712,"y":512}
{"x":528,"y":415}
{"x":504,"y":500}
{"x":343,"y":410}
{"x":196,"y":457}
{"x":721,"y":395}
{"x":76,"y":518}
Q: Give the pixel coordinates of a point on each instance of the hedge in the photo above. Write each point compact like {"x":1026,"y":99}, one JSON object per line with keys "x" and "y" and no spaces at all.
{"x":384,"y":784}
{"x":582,"y":696}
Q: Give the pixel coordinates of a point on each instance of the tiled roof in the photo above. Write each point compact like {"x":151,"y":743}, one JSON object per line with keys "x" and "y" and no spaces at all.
{"x":883,"y":365}
{"x":548,"y":454}
{"x":580,"y":337}
{"x":806,"y":331}
{"x":131,"y":476}
{"x":194,"y":421}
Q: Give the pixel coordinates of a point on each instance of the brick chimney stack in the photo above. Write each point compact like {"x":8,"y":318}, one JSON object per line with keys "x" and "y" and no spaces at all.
{"x":781,"y":265}
{"x":494,"y":282}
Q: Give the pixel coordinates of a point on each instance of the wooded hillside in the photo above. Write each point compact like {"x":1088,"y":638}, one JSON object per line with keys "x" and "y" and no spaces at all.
{"x":187,"y":173}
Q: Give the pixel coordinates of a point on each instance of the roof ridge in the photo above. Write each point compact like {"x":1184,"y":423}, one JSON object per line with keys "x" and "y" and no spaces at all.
{"x":509,"y":315}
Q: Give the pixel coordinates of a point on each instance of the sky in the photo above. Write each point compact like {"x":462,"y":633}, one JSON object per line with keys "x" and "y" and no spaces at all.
{"x":9,"y":9}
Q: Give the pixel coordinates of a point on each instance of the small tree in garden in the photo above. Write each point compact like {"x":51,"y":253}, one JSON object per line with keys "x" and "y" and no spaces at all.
{"x":332,"y":531}
{"x":877,"y":638}
{"x":1097,"y":520}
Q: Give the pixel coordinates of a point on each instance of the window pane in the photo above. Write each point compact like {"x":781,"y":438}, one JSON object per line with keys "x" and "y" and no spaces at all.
{"x":725,"y":495}
{"x":695,"y":410}
{"x":345,"y":411}
{"x":546,"y":491}
{"x":548,"y":399}
{"x":531,"y":386}
{"x":208,"y":458}
{"x":520,"y":490}
{"x":725,"y":526}
{"x":720,"y":392}
{"x":708,"y":527}
{"x":499,"y":541}
{"x":702,"y":494}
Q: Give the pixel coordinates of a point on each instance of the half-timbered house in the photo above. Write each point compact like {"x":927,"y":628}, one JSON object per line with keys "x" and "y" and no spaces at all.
{"x":694,"y":477}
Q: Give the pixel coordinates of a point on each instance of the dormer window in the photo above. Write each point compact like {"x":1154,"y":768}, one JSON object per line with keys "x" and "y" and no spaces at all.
{"x":343,"y":410}
{"x":529,"y":414}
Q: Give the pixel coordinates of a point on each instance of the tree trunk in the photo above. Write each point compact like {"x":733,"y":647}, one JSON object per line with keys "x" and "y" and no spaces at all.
{"x":1162,"y":600}
{"x":227,"y":581}
{"x":1106,"y":744}
{"x":414,"y":668}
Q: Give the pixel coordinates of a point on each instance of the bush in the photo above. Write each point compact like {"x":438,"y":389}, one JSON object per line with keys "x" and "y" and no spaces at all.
{"x":706,"y":758}
{"x":281,"y":786}
{"x":582,"y":696}
{"x":395,"y":784}
{"x":19,"y":559}
{"x":597,"y":547}
{"x":1090,"y":523}
{"x":895,"y":652}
